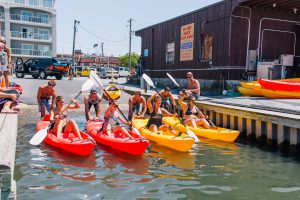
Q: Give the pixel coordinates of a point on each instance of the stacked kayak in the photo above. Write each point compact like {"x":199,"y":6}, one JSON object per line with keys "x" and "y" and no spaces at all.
{"x":69,"y":143}
{"x":214,"y":134}
{"x":134,"y":145}
{"x":113,"y":91}
{"x":280,"y":89}
{"x":164,"y":138}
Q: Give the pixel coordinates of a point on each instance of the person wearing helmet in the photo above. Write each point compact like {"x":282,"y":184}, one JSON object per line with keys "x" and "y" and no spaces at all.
{"x":5,"y":60}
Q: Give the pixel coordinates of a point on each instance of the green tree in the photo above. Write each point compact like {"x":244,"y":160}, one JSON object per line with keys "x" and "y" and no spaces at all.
{"x":125,"y":59}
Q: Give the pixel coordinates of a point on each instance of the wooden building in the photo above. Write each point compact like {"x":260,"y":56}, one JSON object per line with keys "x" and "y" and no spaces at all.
{"x":226,"y":39}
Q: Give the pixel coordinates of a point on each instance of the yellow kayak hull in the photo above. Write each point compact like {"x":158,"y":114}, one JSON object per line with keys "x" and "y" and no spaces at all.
{"x":181,"y":143}
{"x":222,"y":134}
{"x":249,"y":92}
{"x":113,"y":91}
{"x":277,"y":94}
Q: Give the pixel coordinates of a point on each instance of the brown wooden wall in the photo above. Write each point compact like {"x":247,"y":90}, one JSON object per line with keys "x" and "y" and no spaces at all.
{"x":227,"y":52}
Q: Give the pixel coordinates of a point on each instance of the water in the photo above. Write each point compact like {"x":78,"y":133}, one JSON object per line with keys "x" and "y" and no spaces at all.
{"x":210,"y":171}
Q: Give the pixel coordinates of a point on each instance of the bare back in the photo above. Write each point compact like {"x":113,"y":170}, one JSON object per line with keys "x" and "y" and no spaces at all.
{"x":45,"y":92}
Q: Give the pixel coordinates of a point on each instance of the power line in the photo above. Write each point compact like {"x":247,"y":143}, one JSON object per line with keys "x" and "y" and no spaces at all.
{"x":101,"y":38}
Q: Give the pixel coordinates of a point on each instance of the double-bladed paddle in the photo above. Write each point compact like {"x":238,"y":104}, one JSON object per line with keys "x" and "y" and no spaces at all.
{"x":150,"y":82}
{"x":175,"y":82}
{"x":94,"y":76}
{"x":41,"y":134}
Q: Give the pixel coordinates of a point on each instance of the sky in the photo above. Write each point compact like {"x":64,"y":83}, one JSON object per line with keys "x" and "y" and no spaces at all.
{"x":107,"y":21}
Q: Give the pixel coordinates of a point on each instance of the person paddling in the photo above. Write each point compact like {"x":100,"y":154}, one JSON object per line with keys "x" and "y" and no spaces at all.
{"x":192,"y":115}
{"x":112,"y":113}
{"x":156,"y":114}
{"x":61,"y":125}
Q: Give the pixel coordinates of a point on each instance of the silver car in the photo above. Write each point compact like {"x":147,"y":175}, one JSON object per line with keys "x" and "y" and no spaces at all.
{"x":108,"y":73}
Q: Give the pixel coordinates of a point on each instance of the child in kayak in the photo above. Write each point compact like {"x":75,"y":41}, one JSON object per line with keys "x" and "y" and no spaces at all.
{"x":111,"y":113}
{"x":192,"y":115}
{"x":156,"y":114}
{"x":61,"y":125}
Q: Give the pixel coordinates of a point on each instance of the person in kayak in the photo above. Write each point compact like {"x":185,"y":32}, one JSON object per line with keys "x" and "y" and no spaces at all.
{"x":168,"y":101}
{"x":135,"y":102}
{"x":112,"y":113}
{"x":192,"y":115}
{"x":61,"y":125}
{"x":93,"y":99}
{"x":193,"y":86}
{"x":45,"y":92}
{"x":156,"y":114}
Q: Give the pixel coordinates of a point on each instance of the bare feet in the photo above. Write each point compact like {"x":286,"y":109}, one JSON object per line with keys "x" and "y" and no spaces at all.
{"x":7,"y":110}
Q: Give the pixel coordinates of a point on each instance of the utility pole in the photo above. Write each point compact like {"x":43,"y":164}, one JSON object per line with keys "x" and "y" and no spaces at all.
{"x":102,"y":43}
{"x":74,"y":39}
{"x":130,"y":33}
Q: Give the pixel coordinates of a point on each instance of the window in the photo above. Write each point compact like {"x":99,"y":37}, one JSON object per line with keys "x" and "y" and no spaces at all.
{"x":33,"y":2}
{"x":43,"y":34}
{"x":206,"y":47}
{"x":28,"y":46}
{"x":47,"y":3}
{"x":43,"y":17}
{"x":43,"y":47}
{"x":170,"y":53}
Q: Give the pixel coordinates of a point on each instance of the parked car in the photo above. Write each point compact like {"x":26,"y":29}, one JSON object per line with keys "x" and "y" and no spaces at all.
{"x":108,"y":73}
{"x":123,"y":71}
{"x":41,"y":67}
{"x":85,"y":71}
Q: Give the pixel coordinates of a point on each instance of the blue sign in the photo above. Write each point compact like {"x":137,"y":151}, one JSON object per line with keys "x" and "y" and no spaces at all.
{"x":146,"y":52}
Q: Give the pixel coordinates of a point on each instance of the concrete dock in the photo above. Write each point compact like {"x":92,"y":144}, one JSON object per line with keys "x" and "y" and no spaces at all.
{"x":8,"y":140}
{"x":270,"y":123}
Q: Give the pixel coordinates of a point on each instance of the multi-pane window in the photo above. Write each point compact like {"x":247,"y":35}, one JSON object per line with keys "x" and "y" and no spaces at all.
{"x":170,"y":53}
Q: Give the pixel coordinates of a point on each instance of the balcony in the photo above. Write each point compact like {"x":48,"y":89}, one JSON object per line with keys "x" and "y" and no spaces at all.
{"x":34,"y":3}
{"x":30,"y":36}
{"x":25,"y":18}
{"x":2,"y":16}
{"x":30,"y":52}
{"x":2,"y":33}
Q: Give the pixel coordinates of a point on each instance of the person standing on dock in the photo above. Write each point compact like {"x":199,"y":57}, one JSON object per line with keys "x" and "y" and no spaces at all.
{"x":45,"y":92}
{"x":135,"y":102}
{"x":5,"y":60}
{"x":193,"y":88}
{"x":93,"y":99}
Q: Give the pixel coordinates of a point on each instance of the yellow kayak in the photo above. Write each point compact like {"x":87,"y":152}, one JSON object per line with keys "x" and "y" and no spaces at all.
{"x":249,"y":92}
{"x":218,"y":134}
{"x":277,"y":94}
{"x":179,"y":143}
{"x":256,"y":86}
{"x":113,"y":91}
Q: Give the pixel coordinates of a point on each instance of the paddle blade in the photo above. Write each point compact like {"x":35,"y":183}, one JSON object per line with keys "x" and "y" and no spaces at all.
{"x":39,"y":137}
{"x":148,"y":80}
{"x":173,"y":80}
{"x":192,"y":134}
{"x":96,"y":79}
{"x":87,"y":85}
{"x":136,"y":131}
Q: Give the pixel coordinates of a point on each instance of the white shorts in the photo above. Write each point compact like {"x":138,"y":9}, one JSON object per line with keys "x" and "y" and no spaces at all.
{"x":3,"y":68}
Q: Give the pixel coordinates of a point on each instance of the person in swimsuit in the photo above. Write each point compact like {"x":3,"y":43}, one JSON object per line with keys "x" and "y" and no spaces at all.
{"x":45,"y":92}
{"x":93,"y":99}
{"x":168,"y":101}
{"x":193,"y":86}
{"x":9,"y":100}
{"x":135,"y":102}
{"x":192,"y":115}
{"x":112,"y":113}
{"x":61,"y":125}
{"x":156,"y":114}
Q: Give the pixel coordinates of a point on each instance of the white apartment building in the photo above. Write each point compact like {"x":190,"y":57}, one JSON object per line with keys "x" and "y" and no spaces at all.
{"x":29,"y":27}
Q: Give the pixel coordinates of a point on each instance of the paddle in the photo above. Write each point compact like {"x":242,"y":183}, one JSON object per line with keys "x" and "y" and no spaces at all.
{"x":150,"y":82}
{"x":41,"y":134}
{"x":175,"y":82}
{"x":97,"y":81}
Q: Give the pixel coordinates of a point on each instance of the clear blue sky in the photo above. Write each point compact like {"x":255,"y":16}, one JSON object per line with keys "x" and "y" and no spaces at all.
{"x":108,"y":19}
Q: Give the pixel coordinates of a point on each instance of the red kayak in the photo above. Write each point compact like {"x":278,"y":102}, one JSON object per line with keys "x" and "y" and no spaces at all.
{"x":279,"y":85}
{"x":69,"y":143}
{"x":134,"y":145}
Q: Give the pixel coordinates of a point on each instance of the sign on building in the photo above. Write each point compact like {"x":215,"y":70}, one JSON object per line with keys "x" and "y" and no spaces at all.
{"x":187,"y":42}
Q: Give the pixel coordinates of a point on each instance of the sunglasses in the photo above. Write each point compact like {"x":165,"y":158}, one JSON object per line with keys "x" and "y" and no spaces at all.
{"x":51,"y":84}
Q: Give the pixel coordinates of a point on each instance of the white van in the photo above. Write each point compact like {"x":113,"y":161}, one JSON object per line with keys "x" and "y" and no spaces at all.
{"x":123,"y":71}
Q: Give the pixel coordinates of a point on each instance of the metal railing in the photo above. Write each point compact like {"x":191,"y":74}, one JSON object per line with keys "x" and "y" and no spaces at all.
{"x":2,"y":32}
{"x":31,"y":52}
{"x":26,"y":18}
{"x":34,"y":36}
{"x":35,"y":3}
